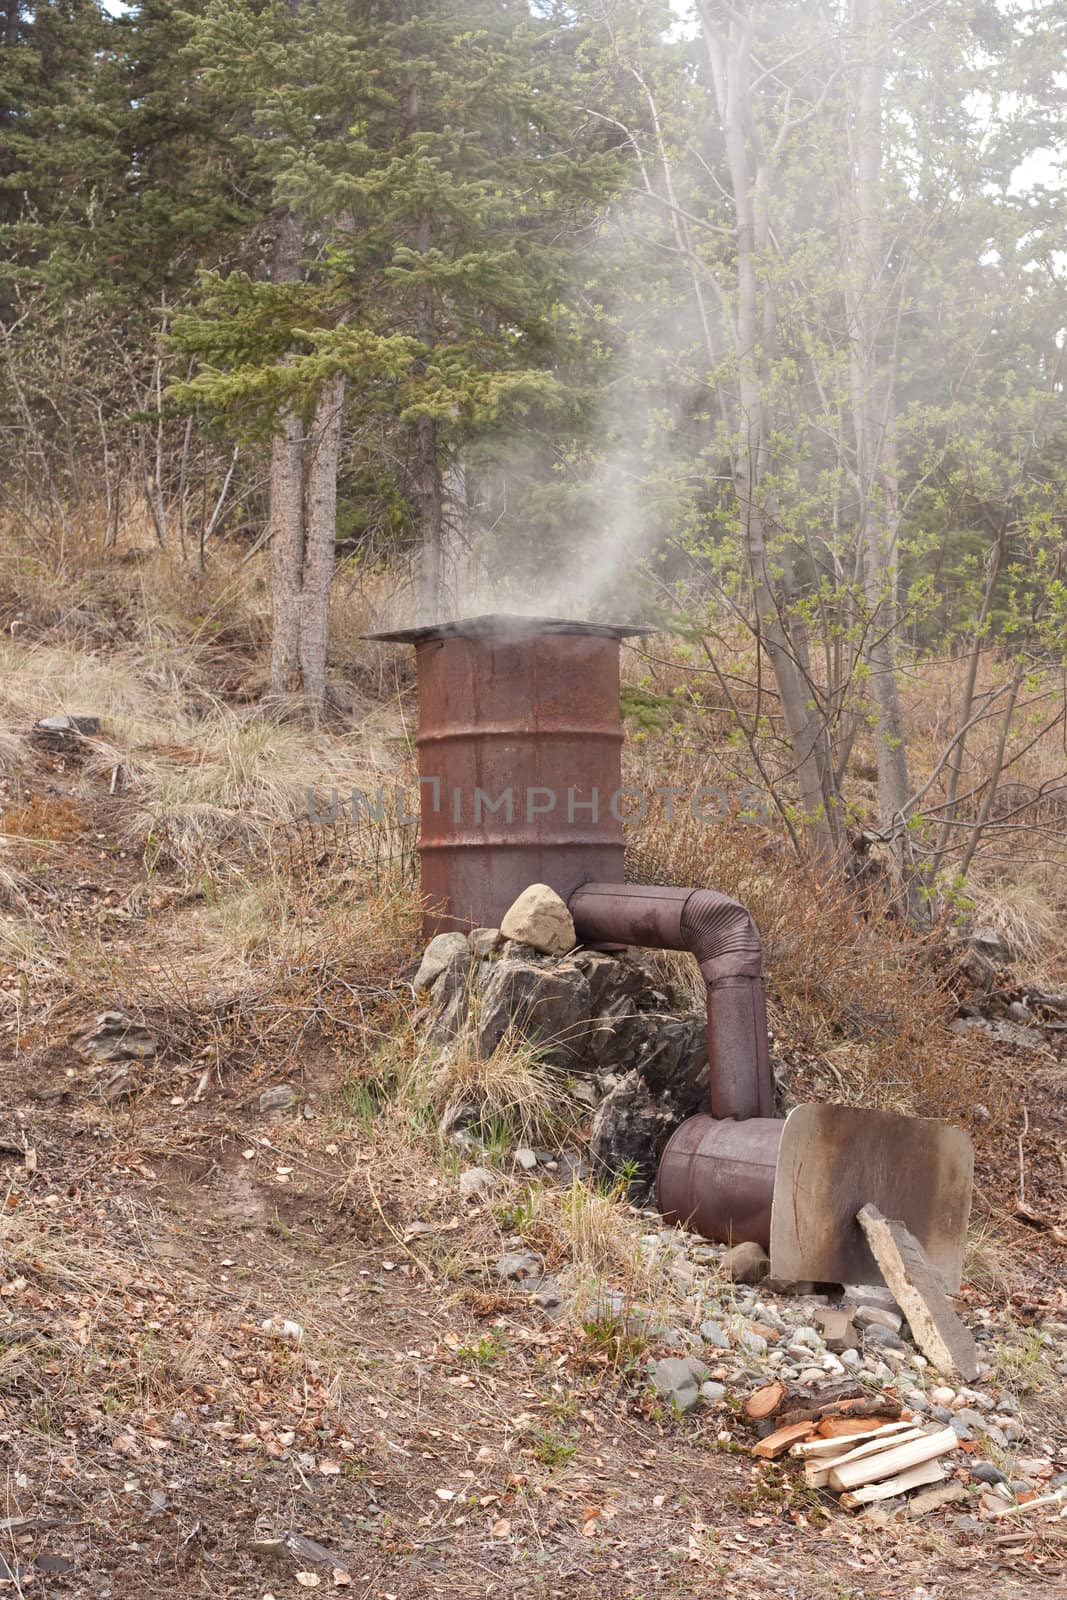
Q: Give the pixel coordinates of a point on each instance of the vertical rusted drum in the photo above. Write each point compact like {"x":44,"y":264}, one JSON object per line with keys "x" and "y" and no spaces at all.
{"x":718,"y":1178}
{"x":520,"y":745}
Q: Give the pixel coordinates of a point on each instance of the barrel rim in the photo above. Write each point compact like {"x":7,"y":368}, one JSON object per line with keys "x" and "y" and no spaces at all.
{"x":508,"y":625}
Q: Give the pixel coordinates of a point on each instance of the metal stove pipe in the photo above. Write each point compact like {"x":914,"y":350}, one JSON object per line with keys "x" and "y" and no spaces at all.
{"x":722,"y":936}
{"x":716,"y":1174}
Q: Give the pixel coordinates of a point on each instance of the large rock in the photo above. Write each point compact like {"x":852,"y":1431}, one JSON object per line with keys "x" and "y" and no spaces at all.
{"x":116,"y":1036}
{"x":631,"y":1126}
{"x":611,"y":977}
{"x":541,"y":919}
{"x":667,"y":1082}
{"x":745,"y":1263}
{"x":677,"y":1381}
{"x":547,"y":1005}
{"x":442,"y":952}
{"x":63,"y":732}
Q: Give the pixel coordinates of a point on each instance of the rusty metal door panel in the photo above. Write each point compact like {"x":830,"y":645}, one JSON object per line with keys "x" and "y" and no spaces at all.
{"x":835,"y":1159}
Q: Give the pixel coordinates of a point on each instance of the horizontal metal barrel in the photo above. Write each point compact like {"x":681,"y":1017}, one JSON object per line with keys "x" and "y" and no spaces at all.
{"x":718,"y":1178}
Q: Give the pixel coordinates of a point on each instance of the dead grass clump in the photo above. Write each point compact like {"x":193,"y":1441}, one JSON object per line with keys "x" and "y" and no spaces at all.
{"x":203,"y":629}
{"x":228,"y":780}
{"x":28,"y":947}
{"x":40,"y":679}
{"x":14,"y":885}
{"x":1023,"y":909}
{"x":14,"y":754}
{"x":282,"y":974}
{"x":593,"y":1236}
{"x":512,"y":1097}
{"x":64,"y":588}
{"x":52,"y":817}
{"x":602,"y":1235}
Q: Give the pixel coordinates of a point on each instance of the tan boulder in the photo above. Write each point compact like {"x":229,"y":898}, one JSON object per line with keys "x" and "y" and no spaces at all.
{"x":540,"y":918}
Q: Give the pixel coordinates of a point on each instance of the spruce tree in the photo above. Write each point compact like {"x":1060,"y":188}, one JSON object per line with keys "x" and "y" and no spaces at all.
{"x":425,"y":155}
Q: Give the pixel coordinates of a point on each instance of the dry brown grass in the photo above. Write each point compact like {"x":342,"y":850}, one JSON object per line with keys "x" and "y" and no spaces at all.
{"x":54,"y":818}
{"x":1018,"y":881}
{"x":514,"y":1094}
{"x":856,"y":994}
{"x":192,"y":780}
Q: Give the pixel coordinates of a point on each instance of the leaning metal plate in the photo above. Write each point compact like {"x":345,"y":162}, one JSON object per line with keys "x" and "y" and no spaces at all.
{"x":835,"y":1159}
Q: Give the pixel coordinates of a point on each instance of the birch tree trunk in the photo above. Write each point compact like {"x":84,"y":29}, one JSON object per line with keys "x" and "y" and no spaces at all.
{"x":729,"y":54}
{"x":286,"y":498}
{"x":873,"y":412}
{"x":320,"y":541}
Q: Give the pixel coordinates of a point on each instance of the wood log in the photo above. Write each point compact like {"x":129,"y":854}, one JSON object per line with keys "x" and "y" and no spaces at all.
{"x":822,"y":1446}
{"x":817,"y":1472}
{"x":856,"y":1427}
{"x":849,"y":1389}
{"x":874,"y":1447}
{"x":765,"y":1402}
{"x":899,"y":1458}
{"x":776,"y":1444}
{"x":842,"y":1408}
{"x":925,"y":1472}
{"x":935,"y":1327}
{"x":934,"y":1499}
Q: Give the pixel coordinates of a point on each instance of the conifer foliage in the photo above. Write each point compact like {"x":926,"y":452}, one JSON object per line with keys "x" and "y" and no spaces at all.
{"x":749,"y":311}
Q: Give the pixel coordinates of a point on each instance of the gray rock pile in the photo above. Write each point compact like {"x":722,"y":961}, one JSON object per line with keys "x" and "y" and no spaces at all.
{"x":634,"y":1054}
{"x":711,"y":1342}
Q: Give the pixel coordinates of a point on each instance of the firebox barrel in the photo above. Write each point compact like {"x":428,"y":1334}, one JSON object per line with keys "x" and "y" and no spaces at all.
{"x":718,"y":1178}
{"x":520,"y":751}
{"x":520,"y":772}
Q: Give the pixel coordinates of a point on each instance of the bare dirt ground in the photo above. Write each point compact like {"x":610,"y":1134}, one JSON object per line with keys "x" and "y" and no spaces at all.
{"x":432,"y":1435}
{"x":435,"y":1438}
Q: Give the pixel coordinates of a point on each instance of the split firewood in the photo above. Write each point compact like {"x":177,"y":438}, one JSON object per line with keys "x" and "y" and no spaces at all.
{"x":855,"y":1427}
{"x":899,"y":1458}
{"x":818,"y":1473}
{"x":925,"y":1472}
{"x":843,"y":1408}
{"x":873,"y":1447}
{"x":776,"y":1444}
{"x":944,"y":1495}
{"x":936,"y":1328}
{"x":765,"y":1402}
{"x":822,"y":1446}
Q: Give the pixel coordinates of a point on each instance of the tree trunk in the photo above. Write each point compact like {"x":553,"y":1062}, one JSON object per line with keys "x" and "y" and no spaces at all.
{"x":320,"y":543}
{"x":430,"y":499}
{"x":429,"y":488}
{"x":731,"y":66}
{"x":426,"y":477}
{"x":286,"y":550}
{"x":286,"y":498}
{"x":873,"y":412}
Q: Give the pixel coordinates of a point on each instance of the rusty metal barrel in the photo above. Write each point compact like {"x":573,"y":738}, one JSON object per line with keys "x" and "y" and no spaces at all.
{"x":520,"y":748}
{"x":718,"y":1177}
